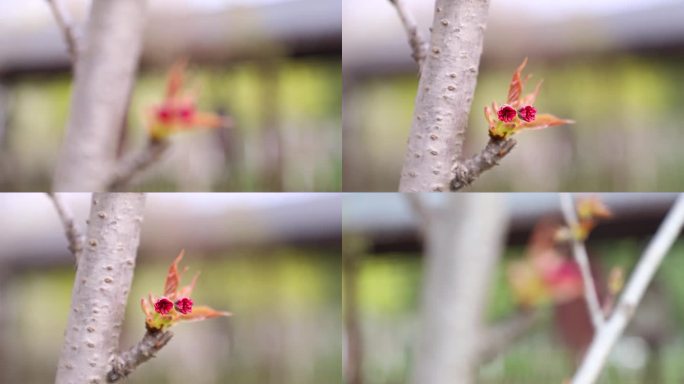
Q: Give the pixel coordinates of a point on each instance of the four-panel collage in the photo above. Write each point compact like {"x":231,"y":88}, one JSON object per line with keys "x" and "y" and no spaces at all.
{"x":341,"y":191}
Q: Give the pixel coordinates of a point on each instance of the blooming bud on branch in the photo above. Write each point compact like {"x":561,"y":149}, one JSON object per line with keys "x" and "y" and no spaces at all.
{"x":176,"y":305}
{"x":518,"y":113}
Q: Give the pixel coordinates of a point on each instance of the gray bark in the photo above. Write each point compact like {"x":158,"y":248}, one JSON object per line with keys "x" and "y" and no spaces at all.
{"x":463,"y":243}
{"x":103,"y":280}
{"x":105,"y":71}
{"x":445,"y":93}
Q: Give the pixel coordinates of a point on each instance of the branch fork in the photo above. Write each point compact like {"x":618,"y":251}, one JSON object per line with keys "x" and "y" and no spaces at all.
{"x":608,"y":334}
{"x":126,"y":362}
{"x":71,"y":230}
{"x":468,"y":171}
{"x":419,"y":46}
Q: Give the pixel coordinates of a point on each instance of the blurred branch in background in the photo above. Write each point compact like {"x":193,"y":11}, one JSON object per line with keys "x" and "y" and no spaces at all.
{"x":556,"y":328}
{"x":582,"y":259}
{"x":136,"y":163}
{"x":64,"y":24}
{"x":501,"y":336}
{"x":654,"y":254}
{"x":105,"y":74}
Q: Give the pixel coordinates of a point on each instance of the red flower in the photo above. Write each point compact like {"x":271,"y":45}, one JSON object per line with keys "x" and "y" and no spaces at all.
{"x":165,"y":114}
{"x":186,"y":113}
{"x":507,"y":113}
{"x":184,"y":305}
{"x":163,"y":306}
{"x":527,"y":113}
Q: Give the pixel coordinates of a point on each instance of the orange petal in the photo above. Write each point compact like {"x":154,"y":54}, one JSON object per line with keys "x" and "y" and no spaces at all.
{"x":544,"y":120}
{"x":175,"y":78}
{"x":532,"y":97}
{"x":173,"y":277}
{"x":187,"y":290}
{"x":207,"y":120}
{"x":203,"y":312}
{"x":515,"y":89}
{"x":488,"y":116}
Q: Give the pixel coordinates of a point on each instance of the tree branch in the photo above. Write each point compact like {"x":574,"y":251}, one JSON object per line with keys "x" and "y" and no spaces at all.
{"x":468,"y":171}
{"x":502,"y":335}
{"x":135,"y":164}
{"x":463,"y":244}
{"x":580,"y":254}
{"x":105,"y":74}
{"x":418,"y":44}
{"x":66,"y":28}
{"x":606,"y":337}
{"x":73,"y":234}
{"x":123,"y":364}
{"x":445,"y":94}
{"x":103,"y":280}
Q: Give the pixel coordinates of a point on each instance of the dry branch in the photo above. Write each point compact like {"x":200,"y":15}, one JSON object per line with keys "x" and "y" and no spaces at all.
{"x":606,"y":337}
{"x":466,"y":172}
{"x":123,"y":364}
{"x":579,"y":252}
{"x":418,"y":44}
{"x":73,"y":234}
{"x":132,"y":166}
{"x":445,"y":93}
{"x":101,"y":286}
{"x":67,"y":29}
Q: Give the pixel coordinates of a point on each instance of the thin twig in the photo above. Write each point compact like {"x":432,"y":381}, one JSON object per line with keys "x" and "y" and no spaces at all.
{"x":643,"y":273}
{"x":133,"y":165}
{"x":468,"y":171}
{"x":123,"y":364}
{"x":416,"y":41}
{"x":66,"y":28}
{"x":73,"y":234}
{"x":580,"y":254}
{"x":499,"y":337}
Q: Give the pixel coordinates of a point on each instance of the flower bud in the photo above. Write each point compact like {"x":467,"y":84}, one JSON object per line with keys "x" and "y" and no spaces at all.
{"x":527,"y":113}
{"x":184,"y":305}
{"x":164,"y":114}
{"x":163,"y":306}
{"x":506,"y":113}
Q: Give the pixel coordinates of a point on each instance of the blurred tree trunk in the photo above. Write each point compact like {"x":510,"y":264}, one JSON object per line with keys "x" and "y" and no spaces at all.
{"x":445,"y":92}
{"x":104,"y":74}
{"x":103,"y":280}
{"x":463,"y":242}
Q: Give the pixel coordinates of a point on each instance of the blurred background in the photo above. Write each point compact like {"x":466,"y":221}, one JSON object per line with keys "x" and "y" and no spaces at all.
{"x":272,"y":65}
{"x":273,"y":260}
{"x":614,"y":66}
{"x":382,"y":253}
